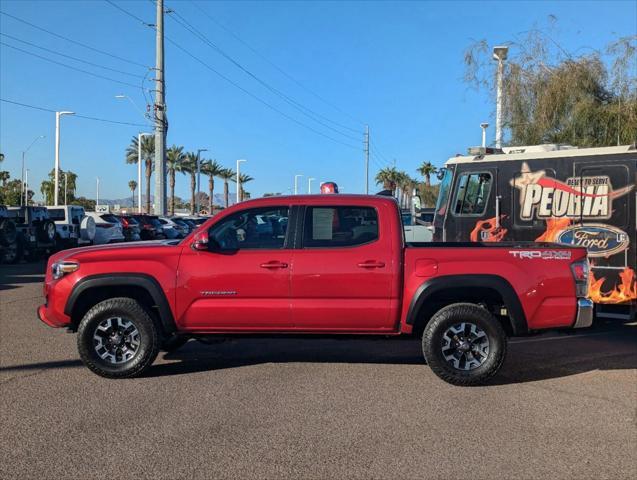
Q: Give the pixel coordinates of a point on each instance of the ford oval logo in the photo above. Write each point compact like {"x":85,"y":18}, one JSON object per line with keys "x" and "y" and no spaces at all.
{"x":600,"y":240}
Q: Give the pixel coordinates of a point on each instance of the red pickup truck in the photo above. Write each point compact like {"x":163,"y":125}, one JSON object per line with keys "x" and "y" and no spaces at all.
{"x":324,"y":264}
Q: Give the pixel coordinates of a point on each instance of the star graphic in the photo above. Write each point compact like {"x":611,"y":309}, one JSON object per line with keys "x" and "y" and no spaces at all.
{"x":526,"y":177}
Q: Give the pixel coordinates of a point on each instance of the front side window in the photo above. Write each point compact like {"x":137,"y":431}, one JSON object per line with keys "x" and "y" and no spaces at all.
{"x":472,"y":194}
{"x":340,"y":226}
{"x":257,"y":228}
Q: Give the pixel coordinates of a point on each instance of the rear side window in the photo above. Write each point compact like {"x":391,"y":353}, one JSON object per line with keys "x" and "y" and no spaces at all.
{"x":56,"y":214}
{"x":256,"y":228}
{"x":339,"y":226}
{"x":472,"y":194}
{"x":107,"y":217}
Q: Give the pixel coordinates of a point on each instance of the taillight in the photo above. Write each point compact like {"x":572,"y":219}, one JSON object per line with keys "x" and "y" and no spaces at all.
{"x":124,"y":223}
{"x":581,"y":270}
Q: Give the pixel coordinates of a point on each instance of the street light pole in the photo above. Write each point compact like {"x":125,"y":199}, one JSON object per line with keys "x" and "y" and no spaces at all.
{"x":139,"y":168}
{"x":500,"y":55}
{"x":239,"y":181}
{"x":26,"y":187}
{"x":309,"y":184}
{"x":145,"y":115}
{"x":296,"y":184}
{"x":23,"y":155}
{"x":66,"y":184}
{"x":57,"y":155}
{"x":97,"y":193}
{"x":197,"y":206}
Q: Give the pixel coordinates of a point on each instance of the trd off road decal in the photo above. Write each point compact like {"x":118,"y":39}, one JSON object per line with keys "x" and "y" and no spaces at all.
{"x":578,"y":197}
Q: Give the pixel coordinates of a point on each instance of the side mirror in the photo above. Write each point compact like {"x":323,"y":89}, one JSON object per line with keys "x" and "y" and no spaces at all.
{"x":201,"y":242}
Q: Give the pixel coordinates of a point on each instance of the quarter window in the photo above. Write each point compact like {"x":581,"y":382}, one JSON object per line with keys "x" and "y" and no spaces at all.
{"x":257,"y":228}
{"x":472,"y":194}
{"x":340,"y":226}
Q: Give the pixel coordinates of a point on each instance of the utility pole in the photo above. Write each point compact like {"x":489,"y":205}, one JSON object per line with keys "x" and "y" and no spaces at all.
{"x":366,"y":159}
{"x":139,"y":170}
{"x":500,"y":55}
{"x":160,"y":116}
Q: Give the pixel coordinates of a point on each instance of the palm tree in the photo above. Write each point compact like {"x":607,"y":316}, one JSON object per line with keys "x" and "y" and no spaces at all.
{"x":212,"y":169}
{"x":189,"y":165}
{"x":244,"y":179}
{"x":132,"y":185}
{"x":4,"y":176}
{"x":148,"y":157}
{"x":174,"y":161}
{"x":226,"y":175}
{"x":427,"y":169}
{"x":1,"y":157}
{"x":387,"y":177}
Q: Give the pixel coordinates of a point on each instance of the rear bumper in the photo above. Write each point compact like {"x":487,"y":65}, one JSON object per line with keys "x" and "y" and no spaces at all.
{"x":584,"y":317}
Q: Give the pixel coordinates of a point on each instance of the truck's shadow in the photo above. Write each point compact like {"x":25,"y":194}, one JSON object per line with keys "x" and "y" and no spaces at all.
{"x":532,"y":359}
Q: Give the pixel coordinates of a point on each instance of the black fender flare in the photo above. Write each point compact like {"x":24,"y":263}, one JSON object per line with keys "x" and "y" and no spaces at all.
{"x":495,"y":282}
{"x":147,"y":282}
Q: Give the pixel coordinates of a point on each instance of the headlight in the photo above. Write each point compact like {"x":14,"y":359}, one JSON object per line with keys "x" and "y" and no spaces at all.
{"x":59,"y":269}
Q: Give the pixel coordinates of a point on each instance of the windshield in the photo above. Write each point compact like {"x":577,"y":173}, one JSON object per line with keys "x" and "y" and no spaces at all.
{"x":443,"y":195}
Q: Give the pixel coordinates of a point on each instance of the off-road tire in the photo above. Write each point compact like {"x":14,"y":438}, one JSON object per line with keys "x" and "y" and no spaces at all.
{"x":449,"y":316}
{"x":46,"y":231}
{"x":132,"y":311}
{"x":174,"y":343}
{"x":8,"y":232}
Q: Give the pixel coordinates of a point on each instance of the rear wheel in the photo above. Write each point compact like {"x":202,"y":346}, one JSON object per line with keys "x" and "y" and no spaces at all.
{"x":117,"y":338}
{"x":464,"y":344}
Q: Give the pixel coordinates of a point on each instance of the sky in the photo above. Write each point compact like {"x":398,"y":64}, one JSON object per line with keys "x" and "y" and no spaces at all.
{"x":317,"y":70}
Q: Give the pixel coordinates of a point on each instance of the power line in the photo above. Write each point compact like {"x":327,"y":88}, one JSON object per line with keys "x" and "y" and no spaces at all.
{"x":74,"y":41}
{"x":86,"y":117}
{"x":283,"y":72}
{"x":260,"y":100}
{"x":301,"y":108}
{"x":129,"y":13}
{"x":69,"y":56}
{"x":69,"y":66}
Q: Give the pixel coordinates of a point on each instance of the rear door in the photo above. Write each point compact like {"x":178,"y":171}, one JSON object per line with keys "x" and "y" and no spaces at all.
{"x":344,"y":271}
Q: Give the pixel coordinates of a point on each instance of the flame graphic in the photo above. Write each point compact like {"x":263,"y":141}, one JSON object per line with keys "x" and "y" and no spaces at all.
{"x":493,"y":232}
{"x":624,"y":292}
{"x":554,"y":227}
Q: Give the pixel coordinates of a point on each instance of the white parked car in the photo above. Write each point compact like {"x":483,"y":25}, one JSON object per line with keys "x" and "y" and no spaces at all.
{"x":106,"y":232}
{"x":73,"y":228}
{"x":170,"y":228}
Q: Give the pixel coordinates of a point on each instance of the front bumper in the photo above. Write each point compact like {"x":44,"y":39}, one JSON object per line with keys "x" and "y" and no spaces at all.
{"x":48,"y":319}
{"x":584,"y":317}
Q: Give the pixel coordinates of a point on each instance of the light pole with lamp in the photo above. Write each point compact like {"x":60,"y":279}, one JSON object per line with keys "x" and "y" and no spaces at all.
{"x":239,"y":181}
{"x":309,"y":184}
{"x":57,"y":155}
{"x":139,"y":168}
{"x":121,"y":97}
{"x":23,"y":155}
{"x":500,"y":55}
{"x":199,"y":150}
{"x":26,"y":187}
{"x":296,"y":184}
{"x":97,"y":193}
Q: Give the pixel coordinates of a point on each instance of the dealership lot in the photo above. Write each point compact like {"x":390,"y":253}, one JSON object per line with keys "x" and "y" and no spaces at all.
{"x":563,"y":407}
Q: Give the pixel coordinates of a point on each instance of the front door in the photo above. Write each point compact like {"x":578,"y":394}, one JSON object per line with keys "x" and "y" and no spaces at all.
{"x":244,"y":281}
{"x":344,"y":273}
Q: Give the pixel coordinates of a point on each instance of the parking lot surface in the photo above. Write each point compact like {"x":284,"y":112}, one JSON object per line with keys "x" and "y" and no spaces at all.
{"x":565,"y":406}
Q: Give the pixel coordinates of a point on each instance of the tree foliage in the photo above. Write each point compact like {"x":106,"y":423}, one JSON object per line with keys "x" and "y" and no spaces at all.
{"x":68,"y":179}
{"x":585,"y":98}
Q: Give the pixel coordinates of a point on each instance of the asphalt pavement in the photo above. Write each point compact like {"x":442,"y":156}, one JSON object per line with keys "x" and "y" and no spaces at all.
{"x":564,"y":406}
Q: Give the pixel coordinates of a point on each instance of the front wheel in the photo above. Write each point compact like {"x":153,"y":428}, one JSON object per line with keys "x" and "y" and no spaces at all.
{"x":118,"y":339}
{"x":464,"y":344}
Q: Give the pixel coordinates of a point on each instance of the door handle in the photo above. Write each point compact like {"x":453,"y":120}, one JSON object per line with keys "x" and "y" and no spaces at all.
{"x":274,"y":264}
{"x":371,"y":264}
